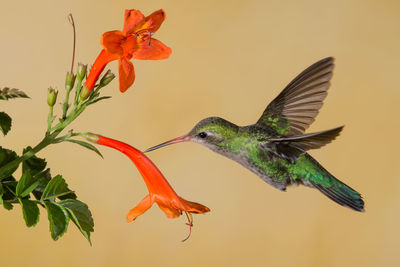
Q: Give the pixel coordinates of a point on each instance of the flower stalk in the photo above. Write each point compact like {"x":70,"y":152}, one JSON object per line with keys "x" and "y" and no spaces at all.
{"x":52,"y":131}
{"x":51,"y":100}
{"x":69,"y":84}
{"x":80,"y":75}
{"x":133,"y":42}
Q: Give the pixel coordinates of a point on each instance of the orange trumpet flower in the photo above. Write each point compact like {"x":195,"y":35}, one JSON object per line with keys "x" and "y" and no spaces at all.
{"x":134,"y":41}
{"x":160,"y":191}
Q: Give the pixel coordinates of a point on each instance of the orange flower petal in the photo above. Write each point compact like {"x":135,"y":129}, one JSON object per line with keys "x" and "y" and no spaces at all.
{"x":193,"y":207}
{"x":151,"y":23}
{"x":156,"y":50}
{"x":100,"y":63}
{"x":126,"y":74}
{"x":160,"y":191}
{"x":130,"y":46}
{"x":113,"y":42}
{"x":141,"y":208}
{"x":168,"y":210}
{"x":132,"y":18}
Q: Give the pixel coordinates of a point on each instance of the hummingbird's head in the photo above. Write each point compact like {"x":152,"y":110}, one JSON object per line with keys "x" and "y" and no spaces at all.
{"x":209,"y":132}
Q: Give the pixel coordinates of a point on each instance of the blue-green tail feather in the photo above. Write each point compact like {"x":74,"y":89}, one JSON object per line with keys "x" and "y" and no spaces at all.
{"x":311,"y":173}
{"x":337,"y":190}
{"x":342,"y":194}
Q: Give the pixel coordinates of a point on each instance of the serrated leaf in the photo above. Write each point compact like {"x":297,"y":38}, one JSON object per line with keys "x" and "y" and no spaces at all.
{"x":44,"y":178}
{"x":58,"y":219}
{"x":30,"y":211}
{"x":9,"y":185}
{"x":26,"y":184}
{"x":55,"y":188}
{"x":7,"y":205}
{"x":7,"y":93}
{"x":80,"y":215}
{"x":5,"y":123}
{"x":26,"y":179}
{"x":70,"y":195}
{"x":7,"y":156}
{"x":86,"y":145}
{"x":34,"y":164}
{"x":1,"y":194}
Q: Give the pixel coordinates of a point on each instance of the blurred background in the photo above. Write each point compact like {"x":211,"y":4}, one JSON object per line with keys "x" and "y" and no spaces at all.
{"x":230,"y":59}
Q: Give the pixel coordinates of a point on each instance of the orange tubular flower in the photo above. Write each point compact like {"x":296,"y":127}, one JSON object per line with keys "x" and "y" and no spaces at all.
{"x":134,"y":41}
{"x":160,"y":191}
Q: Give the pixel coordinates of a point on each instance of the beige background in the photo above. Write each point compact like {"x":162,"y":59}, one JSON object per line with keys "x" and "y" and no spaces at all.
{"x":230,"y":58}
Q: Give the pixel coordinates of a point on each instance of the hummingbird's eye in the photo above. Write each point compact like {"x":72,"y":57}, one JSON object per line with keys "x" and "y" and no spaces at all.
{"x":202,"y":135}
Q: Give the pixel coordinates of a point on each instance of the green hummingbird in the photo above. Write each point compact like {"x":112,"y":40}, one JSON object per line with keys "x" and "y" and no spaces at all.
{"x":275,"y":147}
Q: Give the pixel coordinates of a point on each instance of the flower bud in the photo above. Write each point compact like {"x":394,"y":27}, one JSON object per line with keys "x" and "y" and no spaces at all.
{"x":90,"y":137}
{"x":81,"y":71}
{"x":85,"y":92}
{"x":69,"y":81}
{"x":107,"y":78}
{"x":51,"y":96}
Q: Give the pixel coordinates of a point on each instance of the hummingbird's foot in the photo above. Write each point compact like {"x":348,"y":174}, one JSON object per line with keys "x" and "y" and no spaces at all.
{"x":189,"y":217}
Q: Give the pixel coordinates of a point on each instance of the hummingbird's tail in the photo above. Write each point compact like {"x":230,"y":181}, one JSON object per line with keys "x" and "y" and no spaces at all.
{"x":336,"y":190}
{"x":342,"y":194}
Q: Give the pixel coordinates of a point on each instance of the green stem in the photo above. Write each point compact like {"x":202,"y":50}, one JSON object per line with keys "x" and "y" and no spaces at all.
{"x":65,"y":137}
{"x":50,"y":119}
{"x":15,"y":201}
{"x":66,"y":105}
{"x":47,"y":140}
{"x":52,"y":133}
{"x":78,"y":92}
{"x":72,"y":116}
{"x":96,"y":91}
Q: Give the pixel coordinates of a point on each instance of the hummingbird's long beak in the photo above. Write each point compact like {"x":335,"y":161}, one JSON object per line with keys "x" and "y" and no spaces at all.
{"x":170,"y":142}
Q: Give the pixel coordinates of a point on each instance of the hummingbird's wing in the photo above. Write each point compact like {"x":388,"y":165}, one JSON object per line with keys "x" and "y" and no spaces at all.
{"x":290,"y":148}
{"x":296,"y":107}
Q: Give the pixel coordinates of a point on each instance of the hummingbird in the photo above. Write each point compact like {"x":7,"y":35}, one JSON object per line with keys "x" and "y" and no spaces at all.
{"x":275,"y":147}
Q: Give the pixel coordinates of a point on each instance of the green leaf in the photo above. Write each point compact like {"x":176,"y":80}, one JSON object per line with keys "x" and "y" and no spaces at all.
{"x":87,"y":145}
{"x":80,"y":215}
{"x":58,"y":219}
{"x":9,"y":185}
{"x":26,"y":184}
{"x":25,"y":181}
{"x":1,"y":194}
{"x":30,"y":211}
{"x":7,"y":205}
{"x":55,"y":188}
{"x":7,"y":156}
{"x":70,"y":195}
{"x":5,"y":123}
{"x":44,"y":178}
{"x":7,"y":93}
{"x":34,"y":164}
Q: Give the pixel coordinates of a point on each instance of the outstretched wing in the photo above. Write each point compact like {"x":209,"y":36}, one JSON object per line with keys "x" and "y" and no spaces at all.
{"x":290,"y":148}
{"x":296,"y":107}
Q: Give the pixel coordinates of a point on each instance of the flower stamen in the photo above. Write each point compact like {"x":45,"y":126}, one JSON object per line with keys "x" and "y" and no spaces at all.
{"x":150,"y":34}
{"x":189,"y":217}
